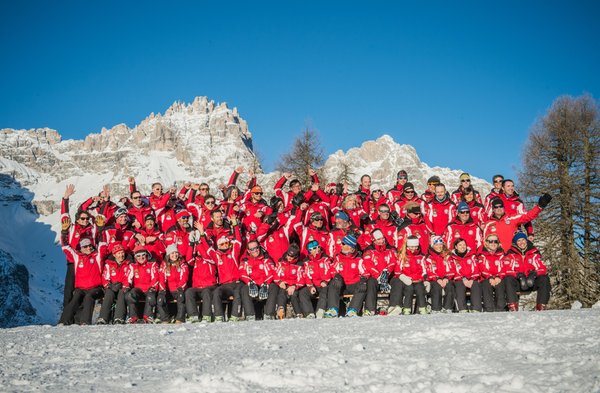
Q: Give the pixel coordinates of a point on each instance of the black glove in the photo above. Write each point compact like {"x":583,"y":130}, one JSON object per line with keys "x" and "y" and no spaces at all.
{"x":271,"y":218}
{"x":263,"y":292}
{"x":385,"y":288}
{"x":298,"y":199}
{"x":544,"y":200}
{"x":252,"y":289}
{"x":115,"y":286}
{"x":362,"y":285}
{"x":522,"y":282}
{"x":339,"y":189}
{"x":383,"y":277}
{"x":531,"y":278}
{"x":180,"y":292}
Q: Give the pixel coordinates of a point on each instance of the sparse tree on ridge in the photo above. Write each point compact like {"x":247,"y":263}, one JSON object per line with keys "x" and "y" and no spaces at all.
{"x":562,"y":156}
{"x":306,"y":153}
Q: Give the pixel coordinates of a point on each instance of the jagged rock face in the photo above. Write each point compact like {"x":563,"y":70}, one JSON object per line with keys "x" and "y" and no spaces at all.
{"x":383,"y":158}
{"x":15,"y":307}
{"x":202,"y":137}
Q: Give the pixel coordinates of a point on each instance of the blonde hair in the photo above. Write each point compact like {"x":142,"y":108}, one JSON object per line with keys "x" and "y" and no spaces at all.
{"x":350,"y":198}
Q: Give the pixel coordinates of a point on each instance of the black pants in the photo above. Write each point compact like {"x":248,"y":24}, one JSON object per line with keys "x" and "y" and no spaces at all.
{"x":135,"y":296}
{"x":337,"y":287}
{"x":494,"y":298}
{"x":461,"y":295}
{"x":69,"y":284}
{"x":306,"y":300}
{"x":110,"y":298}
{"x":223,"y":292}
{"x":402,"y":294}
{"x":87,"y":297}
{"x":437,"y":300}
{"x":371,"y":297}
{"x":541,"y":285}
{"x":191,"y":297}
{"x":248,"y":302}
{"x":162,"y":304}
{"x":283,"y":298}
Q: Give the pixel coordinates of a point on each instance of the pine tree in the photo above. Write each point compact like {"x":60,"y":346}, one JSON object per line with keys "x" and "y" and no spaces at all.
{"x":306,"y":154}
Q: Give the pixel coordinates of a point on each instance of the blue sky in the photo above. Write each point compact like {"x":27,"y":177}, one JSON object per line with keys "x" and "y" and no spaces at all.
{"x":460,"y":81}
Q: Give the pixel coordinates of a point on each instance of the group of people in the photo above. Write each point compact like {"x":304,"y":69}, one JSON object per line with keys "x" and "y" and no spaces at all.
{"x":181,"y":255}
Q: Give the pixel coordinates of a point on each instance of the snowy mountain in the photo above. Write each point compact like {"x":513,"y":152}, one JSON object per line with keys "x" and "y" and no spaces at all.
{"x":201,"y":141}
{"x":554,"y":351}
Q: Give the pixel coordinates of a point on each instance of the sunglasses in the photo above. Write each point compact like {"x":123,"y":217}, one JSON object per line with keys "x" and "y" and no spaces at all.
{"x":438,"y":241}
{"x":84,"y":218}
{"x":88,"y":246}
{"x":493,"y":241}
{"x":463,"y":212}
{"x":253,"y":249}
{"x":409,"y":192}
{"x":317,"y":219}
{"x":498,"y":181}
{"x":466,"y":181}
{"x":402,"y":178}
{"x":139,"y":256}
{"x":184,"y":218}
{"x":257,"y":193}
{"x":203,"y":189}
{"x":383,"y":211}
{"x":209,"y":202}
{"x":136,"y":197}
{"x":498,"y":207}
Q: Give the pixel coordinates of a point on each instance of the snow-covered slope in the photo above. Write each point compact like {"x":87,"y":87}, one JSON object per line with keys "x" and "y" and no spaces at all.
{"x":556,"y":351}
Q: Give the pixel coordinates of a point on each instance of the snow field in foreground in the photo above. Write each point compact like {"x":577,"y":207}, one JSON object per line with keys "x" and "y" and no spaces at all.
{"x":554,"y":351}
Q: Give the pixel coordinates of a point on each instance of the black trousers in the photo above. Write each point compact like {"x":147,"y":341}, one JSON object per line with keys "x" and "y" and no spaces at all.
{"x":402,"y":294}
{"x":136,"y":296}
{"x":437,"y":300}
{"x":306,"y":300}
{"x":371,"y":297}
{"x":223,"y":292}
{"x":283,"y":298}
{"x":494,"y":297}
{"x":87,"y":297}
{"x":461,"y":295}
{"x":541,"y":285}
{"x":69,"y":284}
{"x":191,"y":297}
{"x":162,"y":304}
{"x":337,"y":287}
{"x":110,"y":298}
{"x":248,"y":302}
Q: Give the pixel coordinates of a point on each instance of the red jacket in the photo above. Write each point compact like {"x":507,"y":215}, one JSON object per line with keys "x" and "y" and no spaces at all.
{"x":394,"y":194}
{"x":413,"y":266}
{"x":439,"y":215}
{"x":275,"y":240}
{"x":139,"y":213}
{"x":285,"y":196}
{"x":417,"y":228}
{"x":400,"y":204}
{"x":469,"y":231}
{"x":144,"y":276}
{"x":166,"y":219}
{"x":526,"y":261}
{"x":204,"y":273}
{"x":288,"y":273}
{"x":492,"y":265}
{"x":377,"y":258}
{"x":457,"y":196}
{"x":155,"y":247}
{"x":118,"y":234}
{"x":88,"y":268}
{"x":180,"y":237}
{"x":317,"y":269}
{"x":158,"y":203}
{"x":76,"y":232}
{"x":465,"y":266}
{"x":113,"y":272}
{"x":172,"y":277}
{"x":506,"y":226}
{"x":350,"y":267}
{"x":259,"y":270}
{"x":309,"y":233}
{"x":387,"y":227}
{"x":438,"y":267}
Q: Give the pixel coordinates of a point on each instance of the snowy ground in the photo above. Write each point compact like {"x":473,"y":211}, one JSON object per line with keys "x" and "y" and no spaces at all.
{"x":553,"y":351}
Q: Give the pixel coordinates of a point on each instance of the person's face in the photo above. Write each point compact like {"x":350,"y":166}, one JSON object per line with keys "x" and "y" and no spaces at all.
{"x":314,"y":251}
{"x":122,"y":219}
{"x":149,"y":224}
{"x":463,"y":216}
{"x":339,"y":223}
{"x":492,"y":243}
{"x":83,"y":220}
{"x":351,"y":203}
{"x":224,"y":246}
{"x":136,"y":199}
{"x":384,"y":213}
{"x":522,"y":243}
{"x":234,"y":193}
{"x":469,"y":197}
{"x":431,"y":187}
{"x":209,"y":203}
{"x":498,"y":182}
{"x":217,"y":218}
{"x":174,"y":256}
{"x":414,"y":215}
{"x":465,"y":182}
{"x":257,"y":196}
{"x":498,"y":211}
{"x":461,"y":247}
{"x":346,"y":249}
{"x":204,"y":190}
{"x":440,"y":192}
{"x":402,"y":179}
{"x":296,"y":188}
{"x":438,"y":247}
{"x":409,"y":194}
{"x":508,"y":188}
{"x":289,"y":258}
{"x":379,"y":242}
{"x":184,"y":221}
{"x":412,"y":248}
{"x":119,"y":256}
{"x":253,"y":249}
{"x":157,"y":189}
{"x":317,"y":222}
{"x":365,"y":182}
{"x":87,"y":250}
{"x":141,"y":258}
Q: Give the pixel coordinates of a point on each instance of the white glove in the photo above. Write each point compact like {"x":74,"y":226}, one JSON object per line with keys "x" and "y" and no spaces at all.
{"x":427,"y":286}
{"x":405,"y":279}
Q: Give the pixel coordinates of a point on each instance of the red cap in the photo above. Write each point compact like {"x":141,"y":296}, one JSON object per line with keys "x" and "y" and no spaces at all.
{"x":116,"y":247}
{"x":256,"y":189}
{"x":183,"y":213}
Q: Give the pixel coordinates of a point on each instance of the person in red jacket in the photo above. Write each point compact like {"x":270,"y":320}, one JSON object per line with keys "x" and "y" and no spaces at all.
{"x":316,"y":230}
{"x":411,"y":274}
{"x":274,"y":233}
{"x":440,"y":212}
{"x":492,"y":262}
{"x":494,"y":193}
{"x":317,"y":272}
{"x":150,"y":237}
{"x":380,"y":260}
{"x":144,"y":283}
{"x":88,"y":265}
{"x":476,"y":209}
{"x":465,"y":181}
{"x":120,"y":231}
{"x":173,"y":275}
{"x":204,"y":279}
{"x":157,"y":200}
{"x":385,"y":223}
{"x":179,"y":234}
{"x":505,"y":226}
{"x":227,"y":257}
{"x":464,"y":227}
{"x":350,"y":278}
{"x":295,"y":189}
{"x":138,"y":210}
{"x":253,"y":211}
{"x":467,"y":276}
{"x":527,"y":273}
{"x":414,"y":225}
{"x":288,"y":277}
{"x":394,"y":194}
{"x":440,"y":276}
{"x":514,"y":205}
{"x":257,"y":271}
{"x":81,"y":229}
{"x":408,"y":195}
{"x":429,"y":194}
{"x":101,"y":207}
{"x":115,"y":280}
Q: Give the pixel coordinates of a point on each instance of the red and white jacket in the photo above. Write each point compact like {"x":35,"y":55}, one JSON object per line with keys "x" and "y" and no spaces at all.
{"x":417,"y":228}
{"x":114,"y":272}
{"x":525,"y":261}
{"x":204,"y":266}
{"x":469,"y":231}
{"x":259,"y":270}
{"x":438,"y":267}
{"x":172,"y":276}
{"x":439,"y":215}
{"x":88,"y":268}
{"x":144,"y":276}
{"x":350,"y":267}
{"x":318,"y":269}
{"x":413,"y":266}
{"x":378,"y":258}
{"x":492,"y":265}
{"x":288,"y":273}
{"x":465,"y":266}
